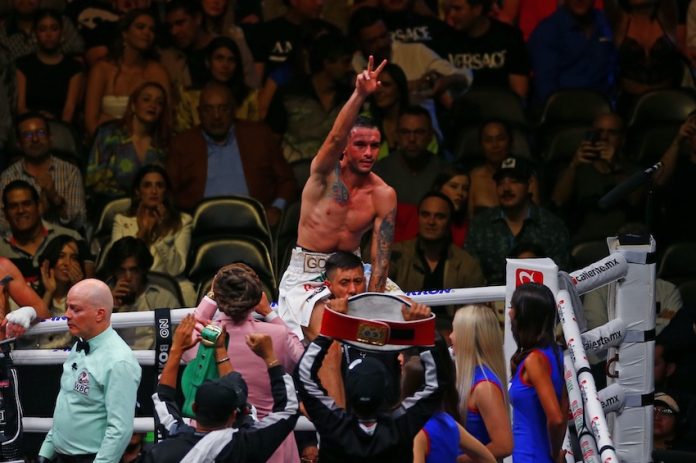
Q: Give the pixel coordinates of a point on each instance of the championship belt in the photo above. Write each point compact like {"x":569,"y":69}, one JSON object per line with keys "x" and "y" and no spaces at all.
{"x":374,"y":322}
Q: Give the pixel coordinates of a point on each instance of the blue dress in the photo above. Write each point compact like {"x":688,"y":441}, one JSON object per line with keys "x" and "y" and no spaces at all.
{"x":474,"y":420}
{"x":443,"y":438}
{"x":530,"y":436}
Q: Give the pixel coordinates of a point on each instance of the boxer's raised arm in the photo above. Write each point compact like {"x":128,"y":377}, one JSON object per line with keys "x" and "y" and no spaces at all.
{"x":330,"y":152}
{"x":382,"y":236}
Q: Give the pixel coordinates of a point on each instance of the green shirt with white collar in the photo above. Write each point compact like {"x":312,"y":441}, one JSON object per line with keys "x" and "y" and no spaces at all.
{"x":96,"y":403}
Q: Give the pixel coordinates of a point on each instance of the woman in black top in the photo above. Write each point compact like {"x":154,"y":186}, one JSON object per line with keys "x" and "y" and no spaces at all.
{"x":48,"y":81}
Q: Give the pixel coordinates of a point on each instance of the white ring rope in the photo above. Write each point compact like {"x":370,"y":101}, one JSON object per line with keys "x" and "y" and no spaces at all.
{"x":140,"y":424}
{"x":586,"y":279}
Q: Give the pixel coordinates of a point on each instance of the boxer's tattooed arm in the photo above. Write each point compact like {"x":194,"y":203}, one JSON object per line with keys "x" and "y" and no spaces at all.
{"x":339,"y":191}
{"x":381,"y":250}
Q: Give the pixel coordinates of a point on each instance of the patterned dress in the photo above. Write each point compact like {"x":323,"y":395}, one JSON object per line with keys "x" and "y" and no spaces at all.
{"x":113,"y":161}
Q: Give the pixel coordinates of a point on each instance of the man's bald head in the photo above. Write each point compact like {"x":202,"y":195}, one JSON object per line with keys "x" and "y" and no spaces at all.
{"x":97,"y":293}
{"x":216,"y":110}
{"x":89,"y":307}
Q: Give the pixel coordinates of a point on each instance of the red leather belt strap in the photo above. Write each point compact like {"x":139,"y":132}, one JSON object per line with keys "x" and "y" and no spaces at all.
{"x":378,"y":332}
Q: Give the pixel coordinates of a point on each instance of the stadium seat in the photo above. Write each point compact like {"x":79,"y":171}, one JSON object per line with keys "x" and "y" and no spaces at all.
{"x":562,"y":145}
{"x":651,"y":144}
{"x":167,"y":282}
{"x":230,"y":215}
{"x":584,"y":254}
{"x":678,"y":263}
{"x":66,"y":143}
{"x":211,"y":255}
{"x":573,"y":107}
{"x":101,"y":234}
{"x":688,"y":293}
{"x":483,"y":104}
{"x":286,"y":235}
{"x":668,"y":106}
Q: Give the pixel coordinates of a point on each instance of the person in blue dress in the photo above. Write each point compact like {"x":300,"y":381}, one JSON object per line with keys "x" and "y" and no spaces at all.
{"x":477,"y":343}
{"x":537,"y":391}
{"x":442,"y":436}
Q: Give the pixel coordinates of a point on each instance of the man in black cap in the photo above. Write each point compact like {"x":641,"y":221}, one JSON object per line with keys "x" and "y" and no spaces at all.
{"x":368,"y":431}
{"x":220,"y":406}
{"x":496,"y":231}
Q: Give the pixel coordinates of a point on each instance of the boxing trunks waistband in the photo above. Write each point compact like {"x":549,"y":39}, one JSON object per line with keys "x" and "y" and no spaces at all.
{"x":308,"y":261}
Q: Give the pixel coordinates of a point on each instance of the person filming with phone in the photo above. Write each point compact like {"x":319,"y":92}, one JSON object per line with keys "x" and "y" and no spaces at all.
{"x":598,"y":165}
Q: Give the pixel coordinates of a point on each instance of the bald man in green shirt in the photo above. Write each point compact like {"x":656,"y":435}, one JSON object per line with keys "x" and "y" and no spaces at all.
{"x":93,"y":418}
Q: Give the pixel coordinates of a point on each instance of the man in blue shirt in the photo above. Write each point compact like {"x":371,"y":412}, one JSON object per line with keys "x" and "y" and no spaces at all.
{"x":93,"y":418}
{"x":573,"y":48}
{"x":227,"y":157}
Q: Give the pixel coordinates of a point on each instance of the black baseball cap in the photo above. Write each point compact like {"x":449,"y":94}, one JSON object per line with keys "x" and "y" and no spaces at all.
{"x":217,"y":398}
{"x":514,"y":167}
{"x":365,"y":385}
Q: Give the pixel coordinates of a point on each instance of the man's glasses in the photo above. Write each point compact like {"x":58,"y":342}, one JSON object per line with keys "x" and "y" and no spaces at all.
{"x":30,"y":134}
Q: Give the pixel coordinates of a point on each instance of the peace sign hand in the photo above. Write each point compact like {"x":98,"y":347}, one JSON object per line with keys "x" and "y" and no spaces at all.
{"x":367,"y":81}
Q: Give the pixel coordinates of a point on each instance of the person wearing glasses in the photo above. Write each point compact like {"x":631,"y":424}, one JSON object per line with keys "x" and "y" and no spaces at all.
{"x":224,"y":156}
{"x":58,"y":182}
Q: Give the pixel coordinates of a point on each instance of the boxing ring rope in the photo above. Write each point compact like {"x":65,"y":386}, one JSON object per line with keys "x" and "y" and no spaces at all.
{"x":585,"y":401}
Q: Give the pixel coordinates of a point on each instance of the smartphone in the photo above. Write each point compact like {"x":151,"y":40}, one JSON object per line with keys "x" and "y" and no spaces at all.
{"x":593,"y":136}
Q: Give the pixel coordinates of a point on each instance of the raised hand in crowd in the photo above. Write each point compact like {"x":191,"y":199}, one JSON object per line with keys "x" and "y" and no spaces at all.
{"x":184,"y":336}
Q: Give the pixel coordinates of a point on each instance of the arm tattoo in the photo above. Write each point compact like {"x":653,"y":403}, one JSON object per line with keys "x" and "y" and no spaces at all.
{"x":380,"y":263}
{"x":339,"y":192}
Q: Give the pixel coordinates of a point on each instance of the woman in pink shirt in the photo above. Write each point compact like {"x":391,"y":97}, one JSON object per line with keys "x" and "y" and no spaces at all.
{"x":237,"y":293}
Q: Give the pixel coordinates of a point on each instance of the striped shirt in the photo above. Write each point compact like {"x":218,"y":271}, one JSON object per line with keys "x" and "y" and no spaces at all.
{"x":68,"y":184}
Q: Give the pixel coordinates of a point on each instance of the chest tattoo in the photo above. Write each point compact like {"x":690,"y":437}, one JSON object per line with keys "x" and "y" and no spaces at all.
{"x":339,"y":191}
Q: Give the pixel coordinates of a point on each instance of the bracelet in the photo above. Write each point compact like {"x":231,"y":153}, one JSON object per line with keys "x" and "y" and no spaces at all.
{"x":274,"y":363}
{"x":222,"y":361}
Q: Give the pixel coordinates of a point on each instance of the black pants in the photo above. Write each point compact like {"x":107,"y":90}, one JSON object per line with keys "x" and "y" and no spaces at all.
{"x":88,"y":458}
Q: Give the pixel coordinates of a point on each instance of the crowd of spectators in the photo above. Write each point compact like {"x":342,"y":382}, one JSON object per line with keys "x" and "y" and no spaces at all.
{"x":168,"y":104}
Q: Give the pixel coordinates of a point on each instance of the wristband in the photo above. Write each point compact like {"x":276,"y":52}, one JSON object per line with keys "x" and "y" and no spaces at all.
{"x":210,"y":334}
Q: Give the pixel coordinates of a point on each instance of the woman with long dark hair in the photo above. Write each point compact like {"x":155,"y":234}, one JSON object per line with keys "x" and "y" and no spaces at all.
{"x":153,"y":218}
{"x":131,"y":62}
{"x":122,"y":147}
{"x":224,"y":62}
{"x":537,"y":390}
{"x":62,"y":266}
{"x":477,"y":343}
{"x":454,"y":182}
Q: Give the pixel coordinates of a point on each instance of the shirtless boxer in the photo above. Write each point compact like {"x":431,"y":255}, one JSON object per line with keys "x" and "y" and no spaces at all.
{"x":341,"y":201}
